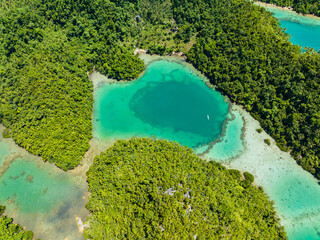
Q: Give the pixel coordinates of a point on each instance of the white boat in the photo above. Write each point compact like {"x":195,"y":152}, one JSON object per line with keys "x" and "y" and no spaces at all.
{"x":208,"y":116}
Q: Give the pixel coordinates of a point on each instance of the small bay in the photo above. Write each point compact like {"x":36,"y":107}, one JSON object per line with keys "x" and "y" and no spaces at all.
{"x":304,"y":30}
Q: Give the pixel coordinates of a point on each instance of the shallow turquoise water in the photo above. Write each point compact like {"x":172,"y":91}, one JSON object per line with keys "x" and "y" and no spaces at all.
{"x":43,"y":199}
{"x":296,"y":195}
{"x":169,"y":101}
{"x":34,"y":189}
{"x":40,"y":196}
{"x":304,"y":31}
{"x":231,"y":144}
{"x":304,"y":35}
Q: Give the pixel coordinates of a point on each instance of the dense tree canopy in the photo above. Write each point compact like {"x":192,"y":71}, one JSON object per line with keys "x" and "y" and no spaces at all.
{"x":154,"y":189}
{"x":11,"y":231}
{"x":46,"y":105}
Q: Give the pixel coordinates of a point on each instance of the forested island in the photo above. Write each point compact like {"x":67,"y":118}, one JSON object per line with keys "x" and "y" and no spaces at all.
{"x":47,"y":48}
{"x":155,"y":189}
{"x":304,"y":7}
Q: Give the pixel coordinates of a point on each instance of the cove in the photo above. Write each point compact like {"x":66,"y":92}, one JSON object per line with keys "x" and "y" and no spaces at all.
{"x":304,"y":30}
{"x":38,"y":195}
{"x":169,"y":101}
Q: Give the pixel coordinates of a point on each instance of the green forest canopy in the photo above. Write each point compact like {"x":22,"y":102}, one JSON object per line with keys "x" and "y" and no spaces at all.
{"x":46,"y":47}
{"x":155,"y":189}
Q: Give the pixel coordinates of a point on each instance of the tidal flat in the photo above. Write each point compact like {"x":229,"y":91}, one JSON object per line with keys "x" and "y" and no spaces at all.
{"x":295,"y":192}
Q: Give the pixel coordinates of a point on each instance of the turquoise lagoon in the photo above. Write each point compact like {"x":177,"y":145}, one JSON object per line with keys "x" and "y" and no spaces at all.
{"x":169,"y":101}
{"x":304,"y":30}
{"x":38,"y":195}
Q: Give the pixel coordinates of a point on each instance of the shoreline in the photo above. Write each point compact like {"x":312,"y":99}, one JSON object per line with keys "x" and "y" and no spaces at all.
{"x":148,"y":59}
{"x":289,"y":9}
